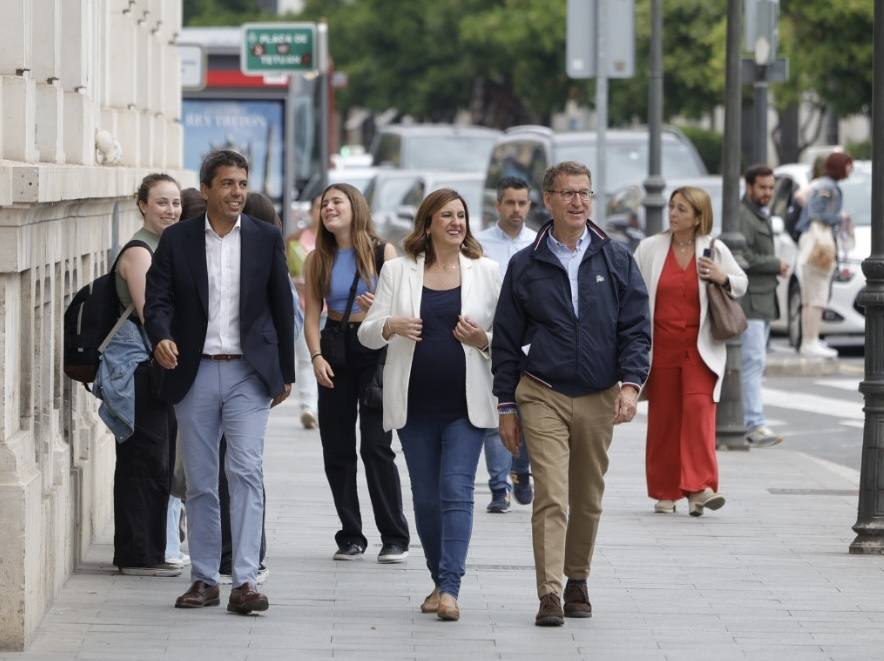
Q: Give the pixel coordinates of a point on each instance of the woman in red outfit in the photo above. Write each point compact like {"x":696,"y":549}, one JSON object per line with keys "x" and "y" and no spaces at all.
{"x":687,"y":363}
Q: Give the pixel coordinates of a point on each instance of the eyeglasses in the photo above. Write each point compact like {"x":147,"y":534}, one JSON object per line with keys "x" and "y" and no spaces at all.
{"x":568,"y":195}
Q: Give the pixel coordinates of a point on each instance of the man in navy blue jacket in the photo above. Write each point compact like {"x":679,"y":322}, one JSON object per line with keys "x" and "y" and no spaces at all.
{"x":219,"y":313}
{"x":578,"y":299}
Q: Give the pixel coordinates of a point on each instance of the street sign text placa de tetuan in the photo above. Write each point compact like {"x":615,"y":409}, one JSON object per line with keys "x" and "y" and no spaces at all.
{"x":269,"y":48}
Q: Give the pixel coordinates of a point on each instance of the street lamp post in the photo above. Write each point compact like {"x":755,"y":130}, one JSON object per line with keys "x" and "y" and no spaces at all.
{"x":869,"y":525}
{"x":730,"y":431}
{"x":654,"y":184}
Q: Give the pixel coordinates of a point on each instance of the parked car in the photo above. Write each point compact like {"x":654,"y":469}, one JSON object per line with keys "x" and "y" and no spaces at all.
{"x":356,"y":176}
{"x":394,"y":196}
{"x":527,"y":152}
{"x":434,"y":147}
{"x":628,"y":200}
{"x":843,"y":317}
{"x":469,"y":185}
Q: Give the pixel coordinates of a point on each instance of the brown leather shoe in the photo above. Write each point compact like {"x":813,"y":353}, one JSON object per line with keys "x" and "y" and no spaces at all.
{"x":448,"y":609}
{"x":431,"y":603}
{"x":246,"y":599}
{"x":577,"y":599}
{"x":200,"y":594}
{"x":550,"y":612}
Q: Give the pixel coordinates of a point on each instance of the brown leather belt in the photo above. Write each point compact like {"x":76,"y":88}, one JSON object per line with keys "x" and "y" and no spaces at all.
{"x":221,"y":356}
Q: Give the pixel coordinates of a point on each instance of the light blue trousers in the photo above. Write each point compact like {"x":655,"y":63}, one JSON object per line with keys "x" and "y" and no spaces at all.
{"x":754,"y":358}
{"x":227,"y":397}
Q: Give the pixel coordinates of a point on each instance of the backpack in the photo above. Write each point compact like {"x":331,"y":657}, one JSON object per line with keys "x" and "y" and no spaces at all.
{"x":91,"y":320}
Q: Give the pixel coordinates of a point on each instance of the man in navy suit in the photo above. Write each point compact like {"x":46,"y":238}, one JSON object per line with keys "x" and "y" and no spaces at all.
{"x":219,"y":314}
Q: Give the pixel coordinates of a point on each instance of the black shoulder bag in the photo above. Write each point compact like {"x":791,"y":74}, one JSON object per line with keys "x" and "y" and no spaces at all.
{"x":333,"y":341}
{"x":373,"y":395}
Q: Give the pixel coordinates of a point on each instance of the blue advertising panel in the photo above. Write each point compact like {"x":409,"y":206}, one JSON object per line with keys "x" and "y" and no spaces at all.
{"x":253,"y":128}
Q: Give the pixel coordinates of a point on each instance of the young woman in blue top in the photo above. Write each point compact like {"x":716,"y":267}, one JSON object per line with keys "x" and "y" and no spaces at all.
{"x":346,"y":244}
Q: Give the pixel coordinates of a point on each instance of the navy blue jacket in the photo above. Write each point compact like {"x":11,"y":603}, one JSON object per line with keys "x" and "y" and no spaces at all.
{"x":609,"y":342}
{"x":177,"y":303}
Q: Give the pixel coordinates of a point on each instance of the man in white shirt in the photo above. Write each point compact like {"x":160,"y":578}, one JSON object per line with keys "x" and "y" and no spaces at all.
{"x":500,"y":242}
{"x":219,"y":313}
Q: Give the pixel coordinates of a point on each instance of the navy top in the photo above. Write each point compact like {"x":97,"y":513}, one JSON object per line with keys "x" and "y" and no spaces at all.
{"x":437,"y":388}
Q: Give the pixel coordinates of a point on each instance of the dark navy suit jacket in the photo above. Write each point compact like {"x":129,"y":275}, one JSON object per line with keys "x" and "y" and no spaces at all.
{"x":177,"y":303}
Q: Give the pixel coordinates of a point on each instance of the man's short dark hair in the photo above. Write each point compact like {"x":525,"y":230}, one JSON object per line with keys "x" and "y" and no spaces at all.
{"x":516,"y":183}
{"x":757,"y":171}
{"x":565,"y":167}
{"x":220,"y":158}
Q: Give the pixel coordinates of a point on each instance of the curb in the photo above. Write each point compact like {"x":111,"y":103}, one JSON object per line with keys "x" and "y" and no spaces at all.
{"x":795,"y":365}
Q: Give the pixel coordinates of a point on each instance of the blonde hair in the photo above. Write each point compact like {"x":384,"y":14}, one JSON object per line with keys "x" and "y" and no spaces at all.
{"x":364,"y":238}
{"x":700,"y":202}
{"x":419,"y":240}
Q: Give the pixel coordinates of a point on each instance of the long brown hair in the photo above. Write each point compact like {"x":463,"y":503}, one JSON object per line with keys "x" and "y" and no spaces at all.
{"x":419,"y":240}
{"x":362,"y":234}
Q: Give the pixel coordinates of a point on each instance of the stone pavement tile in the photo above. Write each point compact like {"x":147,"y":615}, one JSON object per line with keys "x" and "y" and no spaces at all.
{"x":694,"y":654}
{"x":774,"y":652}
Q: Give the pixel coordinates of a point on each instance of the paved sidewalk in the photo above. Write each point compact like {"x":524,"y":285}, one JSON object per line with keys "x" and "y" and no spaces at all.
{"x":767,"y":577}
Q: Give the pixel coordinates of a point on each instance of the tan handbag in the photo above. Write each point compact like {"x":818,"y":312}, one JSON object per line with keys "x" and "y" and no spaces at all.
{"x":822,"y":252}
{"x":725,"y":315}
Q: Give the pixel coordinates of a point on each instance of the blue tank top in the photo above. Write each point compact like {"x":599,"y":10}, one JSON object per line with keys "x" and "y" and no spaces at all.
{"x":342,"y":274}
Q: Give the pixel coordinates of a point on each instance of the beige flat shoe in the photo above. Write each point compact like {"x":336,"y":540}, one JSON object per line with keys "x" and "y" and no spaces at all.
{"x":448,"y":609}
{"x":664,"y":506}
{"x":431,"y":603}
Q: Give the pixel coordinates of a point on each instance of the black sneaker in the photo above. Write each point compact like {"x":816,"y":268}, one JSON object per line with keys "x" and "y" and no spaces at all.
{"x":392,"y":553}
{"x":522,"y":488}
{"x":349,"y":552}
{"x":500,"y":502}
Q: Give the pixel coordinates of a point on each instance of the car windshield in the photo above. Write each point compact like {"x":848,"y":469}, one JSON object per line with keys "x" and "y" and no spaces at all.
{"x":471,"y":191}
{"x":627,"y":162}
{"x":857,"y":191}
{"x":386,"y":194}
{"x":460,"y":153}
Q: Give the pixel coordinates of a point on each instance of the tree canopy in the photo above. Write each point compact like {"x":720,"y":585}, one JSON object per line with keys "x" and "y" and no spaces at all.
{"x":503,"y":60}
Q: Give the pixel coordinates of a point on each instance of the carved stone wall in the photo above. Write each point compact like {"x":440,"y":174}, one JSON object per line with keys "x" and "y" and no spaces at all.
{"x":68,"y":69}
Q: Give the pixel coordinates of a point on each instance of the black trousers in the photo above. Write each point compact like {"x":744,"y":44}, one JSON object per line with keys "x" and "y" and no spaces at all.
{"x":337,"y":431}
{"x":141,"y":480}
{"x":224,"y":502}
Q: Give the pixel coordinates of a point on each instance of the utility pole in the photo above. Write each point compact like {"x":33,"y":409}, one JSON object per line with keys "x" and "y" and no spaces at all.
{"x":869,"y":525}
{"x":654,"y":184}
{"x":730,"y":431}
{"x":601,"y":113}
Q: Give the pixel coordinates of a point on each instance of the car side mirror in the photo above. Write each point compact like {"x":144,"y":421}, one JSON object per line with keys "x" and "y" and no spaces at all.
{"x":777,"y":224}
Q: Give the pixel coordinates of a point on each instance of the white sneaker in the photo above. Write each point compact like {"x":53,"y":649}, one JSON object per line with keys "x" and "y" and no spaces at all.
{"x":817,"y":350}
{"x":181,"y":561}
{"x":308,"y":419}
{"x":704,"y":499}
{"x":763,"y":437}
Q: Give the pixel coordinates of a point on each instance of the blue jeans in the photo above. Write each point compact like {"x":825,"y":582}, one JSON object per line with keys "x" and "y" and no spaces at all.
{"x":754,"y":358}
{"x":442,"y":458}
{"x":228,"y":398}
{"x":500,"y":462}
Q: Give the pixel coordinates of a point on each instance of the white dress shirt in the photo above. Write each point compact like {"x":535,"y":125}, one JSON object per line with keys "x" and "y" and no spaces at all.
{"x":570,"y":260}
{"x":500,"y":246}
{"x":223,"y":266}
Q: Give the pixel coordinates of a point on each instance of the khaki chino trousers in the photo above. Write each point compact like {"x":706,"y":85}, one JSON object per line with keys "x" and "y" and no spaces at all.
{"x":568,"y":440}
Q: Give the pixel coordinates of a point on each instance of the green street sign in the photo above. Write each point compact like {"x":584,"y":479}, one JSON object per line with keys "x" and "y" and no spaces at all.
{"x":269,"y":48}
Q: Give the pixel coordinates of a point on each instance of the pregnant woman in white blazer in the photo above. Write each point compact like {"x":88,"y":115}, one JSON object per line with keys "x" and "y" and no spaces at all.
{"x":434,"y":309}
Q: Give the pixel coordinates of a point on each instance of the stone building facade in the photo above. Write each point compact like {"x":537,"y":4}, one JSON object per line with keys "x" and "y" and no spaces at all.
{"x":89,"y":103}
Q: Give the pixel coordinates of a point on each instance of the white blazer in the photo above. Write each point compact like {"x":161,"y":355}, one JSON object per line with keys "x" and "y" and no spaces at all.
{"x":398,"y":294}
{"x":651,"y":257}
